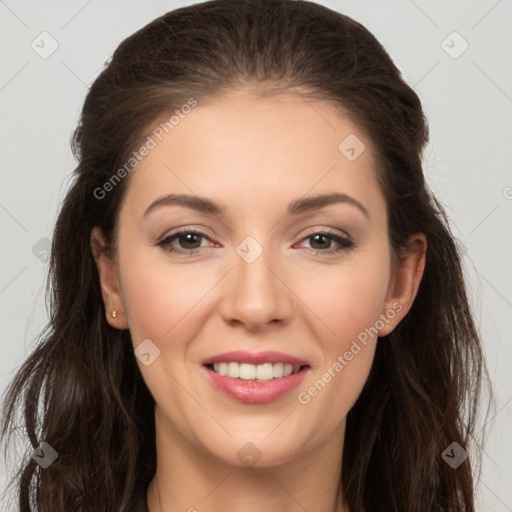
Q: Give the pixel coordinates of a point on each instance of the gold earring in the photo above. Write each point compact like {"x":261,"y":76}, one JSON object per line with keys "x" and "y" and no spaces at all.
{"x":114,"y":313}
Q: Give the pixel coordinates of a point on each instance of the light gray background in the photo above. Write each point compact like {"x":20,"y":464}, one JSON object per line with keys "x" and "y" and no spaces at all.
{"x":467,"y":99}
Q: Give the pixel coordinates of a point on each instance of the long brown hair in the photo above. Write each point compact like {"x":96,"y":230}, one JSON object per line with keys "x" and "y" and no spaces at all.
{"x":423,"y":391}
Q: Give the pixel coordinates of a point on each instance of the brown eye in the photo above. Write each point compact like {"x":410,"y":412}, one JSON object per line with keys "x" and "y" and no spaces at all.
{"x":190,"y":242}
{"x":320,"y":242}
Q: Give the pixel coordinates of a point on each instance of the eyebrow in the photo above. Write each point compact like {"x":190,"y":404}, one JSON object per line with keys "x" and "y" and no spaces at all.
{"x":303,"y":205}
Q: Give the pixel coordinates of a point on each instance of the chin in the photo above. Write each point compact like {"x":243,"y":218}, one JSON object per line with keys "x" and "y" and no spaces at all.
{"x":258,"y":453}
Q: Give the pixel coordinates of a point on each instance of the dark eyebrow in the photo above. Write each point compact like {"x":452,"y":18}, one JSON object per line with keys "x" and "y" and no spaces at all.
{"x":312,"y":203}
{"x":204,"y":205}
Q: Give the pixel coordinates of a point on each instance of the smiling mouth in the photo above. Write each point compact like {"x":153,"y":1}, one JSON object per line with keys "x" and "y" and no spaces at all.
{"x":255,"y":372}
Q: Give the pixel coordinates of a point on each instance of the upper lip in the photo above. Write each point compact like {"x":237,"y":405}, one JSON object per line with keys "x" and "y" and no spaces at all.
{"x":268,"y":356}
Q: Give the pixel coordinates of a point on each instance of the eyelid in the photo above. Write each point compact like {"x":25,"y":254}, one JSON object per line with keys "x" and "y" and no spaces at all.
{"x":311,"y":231}
{"x":344,"y":240}
{"x":326,"y":231}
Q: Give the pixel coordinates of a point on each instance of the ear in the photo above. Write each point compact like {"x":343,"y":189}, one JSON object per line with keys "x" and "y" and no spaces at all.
{"x":404,"y":283}
{"x":109,"y":281}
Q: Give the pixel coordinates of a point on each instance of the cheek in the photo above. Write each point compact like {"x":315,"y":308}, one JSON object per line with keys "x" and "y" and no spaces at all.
{"x":157,"y":296}
{"x":148,"y":309}
{"x":350,"y":304}
{"x":331,"y":393}
{"x":352,"y":299}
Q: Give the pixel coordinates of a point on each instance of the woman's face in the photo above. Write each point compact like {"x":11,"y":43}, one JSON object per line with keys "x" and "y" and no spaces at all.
{"x":269,"y":274}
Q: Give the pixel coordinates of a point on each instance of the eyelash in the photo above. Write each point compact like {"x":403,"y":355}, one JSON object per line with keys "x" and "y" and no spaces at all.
{"x":346,"y":244}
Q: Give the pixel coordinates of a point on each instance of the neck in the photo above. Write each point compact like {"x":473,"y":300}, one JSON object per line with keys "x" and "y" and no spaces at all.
{"x":191,"y":480}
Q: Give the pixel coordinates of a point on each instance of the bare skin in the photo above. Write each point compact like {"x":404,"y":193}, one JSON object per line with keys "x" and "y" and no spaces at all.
{"x":254,"y":157}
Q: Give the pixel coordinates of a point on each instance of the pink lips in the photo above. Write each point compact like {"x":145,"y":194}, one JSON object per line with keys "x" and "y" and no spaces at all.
{"x":250,"y":391}
{"x":269,"y":356}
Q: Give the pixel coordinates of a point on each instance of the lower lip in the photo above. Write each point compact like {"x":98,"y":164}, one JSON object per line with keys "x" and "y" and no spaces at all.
{"x":253,"y":392}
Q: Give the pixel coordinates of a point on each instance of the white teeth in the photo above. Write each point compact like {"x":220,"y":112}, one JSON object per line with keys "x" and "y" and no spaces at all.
{"x":264,"y":371}
{"x":247,"y":371}
{"x":260,"y":372}
{"x":233,"y":370}
{"x":278,"y":370}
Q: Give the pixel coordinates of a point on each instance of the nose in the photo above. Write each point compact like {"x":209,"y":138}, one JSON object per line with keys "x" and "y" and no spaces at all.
{"x":256,"y":294}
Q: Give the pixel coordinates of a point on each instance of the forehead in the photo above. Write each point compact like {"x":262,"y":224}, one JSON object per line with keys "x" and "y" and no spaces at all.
{"x":241,"y":145}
